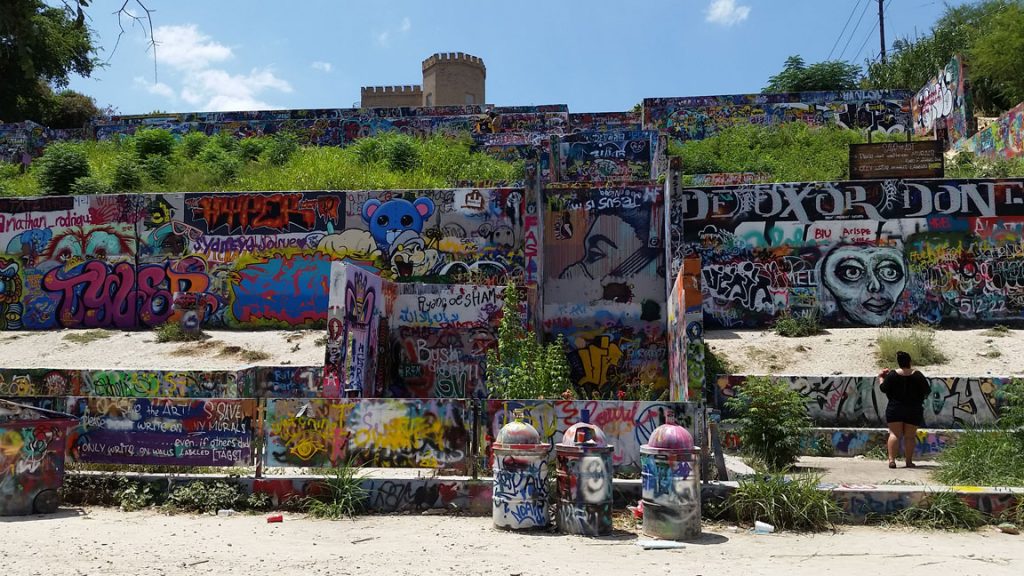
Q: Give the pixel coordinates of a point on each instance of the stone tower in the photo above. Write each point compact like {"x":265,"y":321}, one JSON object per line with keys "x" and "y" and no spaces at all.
{"x":453,"y":79}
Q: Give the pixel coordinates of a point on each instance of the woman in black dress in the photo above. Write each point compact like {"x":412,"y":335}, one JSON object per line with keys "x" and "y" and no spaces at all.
{"x":907,"y":390}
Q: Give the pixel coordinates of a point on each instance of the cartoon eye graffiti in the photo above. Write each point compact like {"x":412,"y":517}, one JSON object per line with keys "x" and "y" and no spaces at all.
{"x":850,"y":271}
{"x":889,"y":271}
{"x":382,"y":220}
{"x":406,"y":220}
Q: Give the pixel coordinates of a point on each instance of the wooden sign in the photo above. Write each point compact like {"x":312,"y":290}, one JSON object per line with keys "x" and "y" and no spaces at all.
{"x":921,"y":159}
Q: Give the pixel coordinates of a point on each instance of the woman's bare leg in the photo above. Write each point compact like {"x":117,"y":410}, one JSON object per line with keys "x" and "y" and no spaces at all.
{"x":893,"y":443}
{"x":909,"y":442}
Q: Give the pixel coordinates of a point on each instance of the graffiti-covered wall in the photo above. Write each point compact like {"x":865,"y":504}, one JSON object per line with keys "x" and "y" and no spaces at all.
{"x":698,"y":117}
{"x":250,"y":259}
{"x":857,"y":253}
{"x":1004,"y":138}
{"x":604,"y":284}
{"x":856,"y":400}
{"x":354,"y":313}
{"x":403,"y":433}
{"x":945,"y":102}
{"x":606,"y":156}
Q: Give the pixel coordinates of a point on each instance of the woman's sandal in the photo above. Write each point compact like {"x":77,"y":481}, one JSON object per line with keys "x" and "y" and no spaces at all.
{"x":909,"y":465}
{"x":892,"y":465}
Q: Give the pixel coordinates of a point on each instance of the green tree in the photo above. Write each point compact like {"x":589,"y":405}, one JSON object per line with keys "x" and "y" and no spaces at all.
{"x":797,"y":76}
{"x":912,"y":63}
{"x":40,"y":47}
{"x":998,"y":54}
{"x":70,"y":109}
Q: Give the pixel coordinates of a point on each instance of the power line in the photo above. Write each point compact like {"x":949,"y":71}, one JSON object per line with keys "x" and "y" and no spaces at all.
{"x":850,"y":39}
{"x":872,"y":31}
{"x":845,"y":26}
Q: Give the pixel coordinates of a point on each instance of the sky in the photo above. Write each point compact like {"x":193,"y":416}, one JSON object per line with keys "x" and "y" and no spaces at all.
{"x":594,"y":55}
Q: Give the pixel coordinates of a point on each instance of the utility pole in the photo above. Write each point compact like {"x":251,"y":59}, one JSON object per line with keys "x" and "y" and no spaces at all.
{"x":881,"y":27}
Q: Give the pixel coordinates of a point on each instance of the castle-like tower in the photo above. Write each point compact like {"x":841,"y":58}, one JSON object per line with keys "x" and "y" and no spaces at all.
{"x":449,"y":79}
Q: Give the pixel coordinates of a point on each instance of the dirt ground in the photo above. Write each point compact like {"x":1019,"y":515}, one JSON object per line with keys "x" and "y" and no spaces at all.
{"x":140,"y":350}
{"x":106,"y":541}
{"x":838,"y":351}
{"x":852,"y":351}
{"x":867,"y":471}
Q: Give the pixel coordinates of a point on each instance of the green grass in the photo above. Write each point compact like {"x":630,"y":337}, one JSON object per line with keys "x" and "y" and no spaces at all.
{"x":339,"y":494}
{"x":918,"y":341}
{"x":87,"y":336}
{"x":434,"y":162}
{"x":997,"y":331}
{"x":939,"y":511}
{"x":798,"y":326}
{"x":982,"y":458}
{"x":877,"y":453}
{"x":173,"y":332}
{"x":788,"y":504}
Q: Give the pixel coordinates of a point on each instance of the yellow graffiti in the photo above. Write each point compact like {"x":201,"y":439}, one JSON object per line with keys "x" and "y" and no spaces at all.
{"x":10,"y":444}
{"x":598,"y":359}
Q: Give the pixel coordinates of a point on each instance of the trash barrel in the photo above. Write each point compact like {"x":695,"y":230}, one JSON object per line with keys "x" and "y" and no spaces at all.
{"x":584,"y":472}
{"x":32,"y":449}
{"x":520,"y":497}
{"x":670,"y":473}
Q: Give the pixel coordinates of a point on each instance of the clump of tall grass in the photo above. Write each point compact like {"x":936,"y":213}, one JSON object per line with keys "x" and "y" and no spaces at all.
{"x":787,"y":503}
{"x":918,"y":341}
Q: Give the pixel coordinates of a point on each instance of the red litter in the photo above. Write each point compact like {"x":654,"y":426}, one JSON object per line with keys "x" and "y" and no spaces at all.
{"x":275,"y":518}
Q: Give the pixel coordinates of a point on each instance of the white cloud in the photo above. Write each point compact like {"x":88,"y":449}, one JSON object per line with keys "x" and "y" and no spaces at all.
{"x":190,"y":55}
{"x":321,"y":66}
{"x":406,"y":24}
{"x":384,"y":38}
{"x":158,"y":88}
{"x":726,"y":12}
{"x":185,"y":48}
{"x":218,"y":90}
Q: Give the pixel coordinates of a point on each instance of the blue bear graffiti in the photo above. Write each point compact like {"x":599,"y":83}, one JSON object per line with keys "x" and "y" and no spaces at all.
{"x":388,"y":220}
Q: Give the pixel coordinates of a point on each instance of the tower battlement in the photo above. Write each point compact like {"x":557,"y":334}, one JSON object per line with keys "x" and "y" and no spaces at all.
{"x":452,"y":58}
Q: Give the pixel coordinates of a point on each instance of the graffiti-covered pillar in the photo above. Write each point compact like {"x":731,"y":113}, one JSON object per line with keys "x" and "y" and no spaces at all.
{"x":355,"y":305}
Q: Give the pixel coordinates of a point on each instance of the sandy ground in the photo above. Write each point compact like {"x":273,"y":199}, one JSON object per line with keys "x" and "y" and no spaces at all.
{"x":105,"y":541}
{"x":839,"y":351}
{"x":852,"y":351}
{"x":140,"y":350}
{"x":859,"y":470}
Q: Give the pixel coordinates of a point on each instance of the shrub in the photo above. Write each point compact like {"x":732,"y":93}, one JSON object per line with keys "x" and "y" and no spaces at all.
{"x":788,"y":504}
{"x":250,"y":149}
{"x":173,"y":332}
{"x":127,"y":173}
{"x":154,"y":142}
{"x":770,"y":418}
{"x":715,"y":364}
{"x":90,"y":185}
{"x":940,"y":511}
{"x":918,"y":341}
{"x":402,"y":154}
{"x":193,"y":143}
{"x":339,"y":494}
{"x":798,"y":326}
{"x":224,"y":141}
{"x":522,"y":367}
{"x":280,"y":149}
{"x":206,"y":497}
{"x":59,"y":167}
{"x":223,"y":166}
{"x":156,"y":168}
{"x":982,"y":458}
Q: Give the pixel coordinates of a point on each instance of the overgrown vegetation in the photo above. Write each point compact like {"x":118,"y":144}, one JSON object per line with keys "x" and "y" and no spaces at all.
{"x":798,"y":326}
{"x":770,"y":418}
{"x":993,"y":457}
{"x":131,"y":494}
{"x":154,"y":161}
{"x":793,"y":503}
{"x":523,"y":368}
{"x":339,"y":494}
{"x":798,"y":76}
{"x":715,"y":364}
{"x":790,"y":152}
{"x":87,"y":336}
{"x":918,"y":341}
{"x":173,"y":332}
{"x":939,"y":511}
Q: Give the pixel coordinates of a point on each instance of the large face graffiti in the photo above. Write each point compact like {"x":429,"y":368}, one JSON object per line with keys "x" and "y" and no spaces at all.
{"x":866,"y":281}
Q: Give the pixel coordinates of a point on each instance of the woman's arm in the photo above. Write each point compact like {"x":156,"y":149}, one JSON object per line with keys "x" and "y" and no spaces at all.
{"x":923,"y":387}
{"x":883,"y":381}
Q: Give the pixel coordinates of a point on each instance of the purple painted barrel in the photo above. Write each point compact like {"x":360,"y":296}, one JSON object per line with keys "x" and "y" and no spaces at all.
{"x":670,"y":473}
{"x":520,"y":494}
{"x":584,"y":471}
